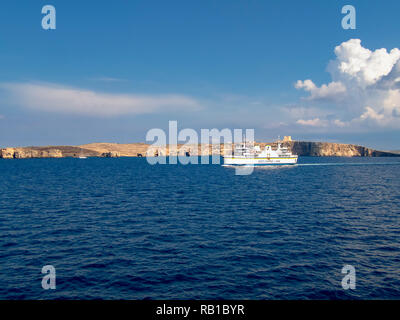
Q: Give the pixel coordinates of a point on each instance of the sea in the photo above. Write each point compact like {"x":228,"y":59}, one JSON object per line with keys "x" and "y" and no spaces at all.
{"x":120,"y":228}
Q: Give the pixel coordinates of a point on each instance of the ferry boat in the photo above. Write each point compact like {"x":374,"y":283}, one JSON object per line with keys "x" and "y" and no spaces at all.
{"x":249,"y":155}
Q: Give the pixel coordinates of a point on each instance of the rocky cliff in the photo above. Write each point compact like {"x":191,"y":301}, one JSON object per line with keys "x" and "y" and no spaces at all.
{"x":325,"y":149}
{"x":20,"y":153}
{"x":45,"y":152}
{"x":301,"y":148}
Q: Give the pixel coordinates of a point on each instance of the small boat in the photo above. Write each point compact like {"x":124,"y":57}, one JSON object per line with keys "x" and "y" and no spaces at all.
{"x":253,"y":155}
{"x":82,"y":157}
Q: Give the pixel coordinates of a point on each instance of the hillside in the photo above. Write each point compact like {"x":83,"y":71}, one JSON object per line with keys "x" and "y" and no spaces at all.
{"x":301,"y":148}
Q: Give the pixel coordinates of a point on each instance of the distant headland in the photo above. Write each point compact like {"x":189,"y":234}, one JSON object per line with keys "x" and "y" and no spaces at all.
{"x":301,"y":148}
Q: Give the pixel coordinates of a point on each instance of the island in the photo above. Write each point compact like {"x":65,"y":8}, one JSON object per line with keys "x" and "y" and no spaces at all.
{"x":112,"y":150}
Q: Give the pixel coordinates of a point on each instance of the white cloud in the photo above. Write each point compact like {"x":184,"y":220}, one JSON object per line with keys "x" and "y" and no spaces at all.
{"x":365,"y":87}
{"x":61,"y":99}
{"x":372,"y":114}
{"x":329,"y":91}
{"x":357,"y":63}
{"x":316,"y":122}
{"x":340,"y":123}
{"x":322,"y":123}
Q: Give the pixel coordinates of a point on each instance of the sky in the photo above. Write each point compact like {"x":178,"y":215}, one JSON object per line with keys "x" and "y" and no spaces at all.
{"x":113,"y":70}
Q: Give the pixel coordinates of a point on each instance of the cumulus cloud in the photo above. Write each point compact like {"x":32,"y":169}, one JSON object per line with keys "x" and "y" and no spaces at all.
{"x":366,"y":67}
{"x":329,"y":91}
{"x":61,"y":99}
{"x":365,"y":87}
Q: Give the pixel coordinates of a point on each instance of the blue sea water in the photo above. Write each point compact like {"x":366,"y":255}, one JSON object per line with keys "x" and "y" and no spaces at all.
{"x":123,"y":229}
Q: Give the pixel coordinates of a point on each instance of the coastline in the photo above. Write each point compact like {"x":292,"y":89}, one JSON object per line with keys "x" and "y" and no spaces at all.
{"x":301,"y":148}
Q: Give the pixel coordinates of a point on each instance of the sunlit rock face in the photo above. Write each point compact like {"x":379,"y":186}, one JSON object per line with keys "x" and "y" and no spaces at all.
{"x":327,"y":149}
{"x":112,"y":150}
{"x":23,"y":153}
{"x":7,"y":153}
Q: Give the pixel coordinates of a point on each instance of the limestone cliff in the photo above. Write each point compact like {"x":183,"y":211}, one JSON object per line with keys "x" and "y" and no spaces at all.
{"x":325,"y":149}
{"x":301,"y":148}
{"x":45,"y":152}
{"x":122,"y":149}
{"x":21,"y":153}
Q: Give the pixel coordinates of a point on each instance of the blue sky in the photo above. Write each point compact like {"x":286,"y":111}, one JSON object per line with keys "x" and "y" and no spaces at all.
{"x":112,"y":70}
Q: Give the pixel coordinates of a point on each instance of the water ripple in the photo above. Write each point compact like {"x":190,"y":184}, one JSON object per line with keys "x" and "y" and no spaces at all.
{"x":122,"y":229}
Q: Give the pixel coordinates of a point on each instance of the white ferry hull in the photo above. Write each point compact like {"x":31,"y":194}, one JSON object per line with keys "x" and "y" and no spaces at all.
{"x":260,"y":161}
